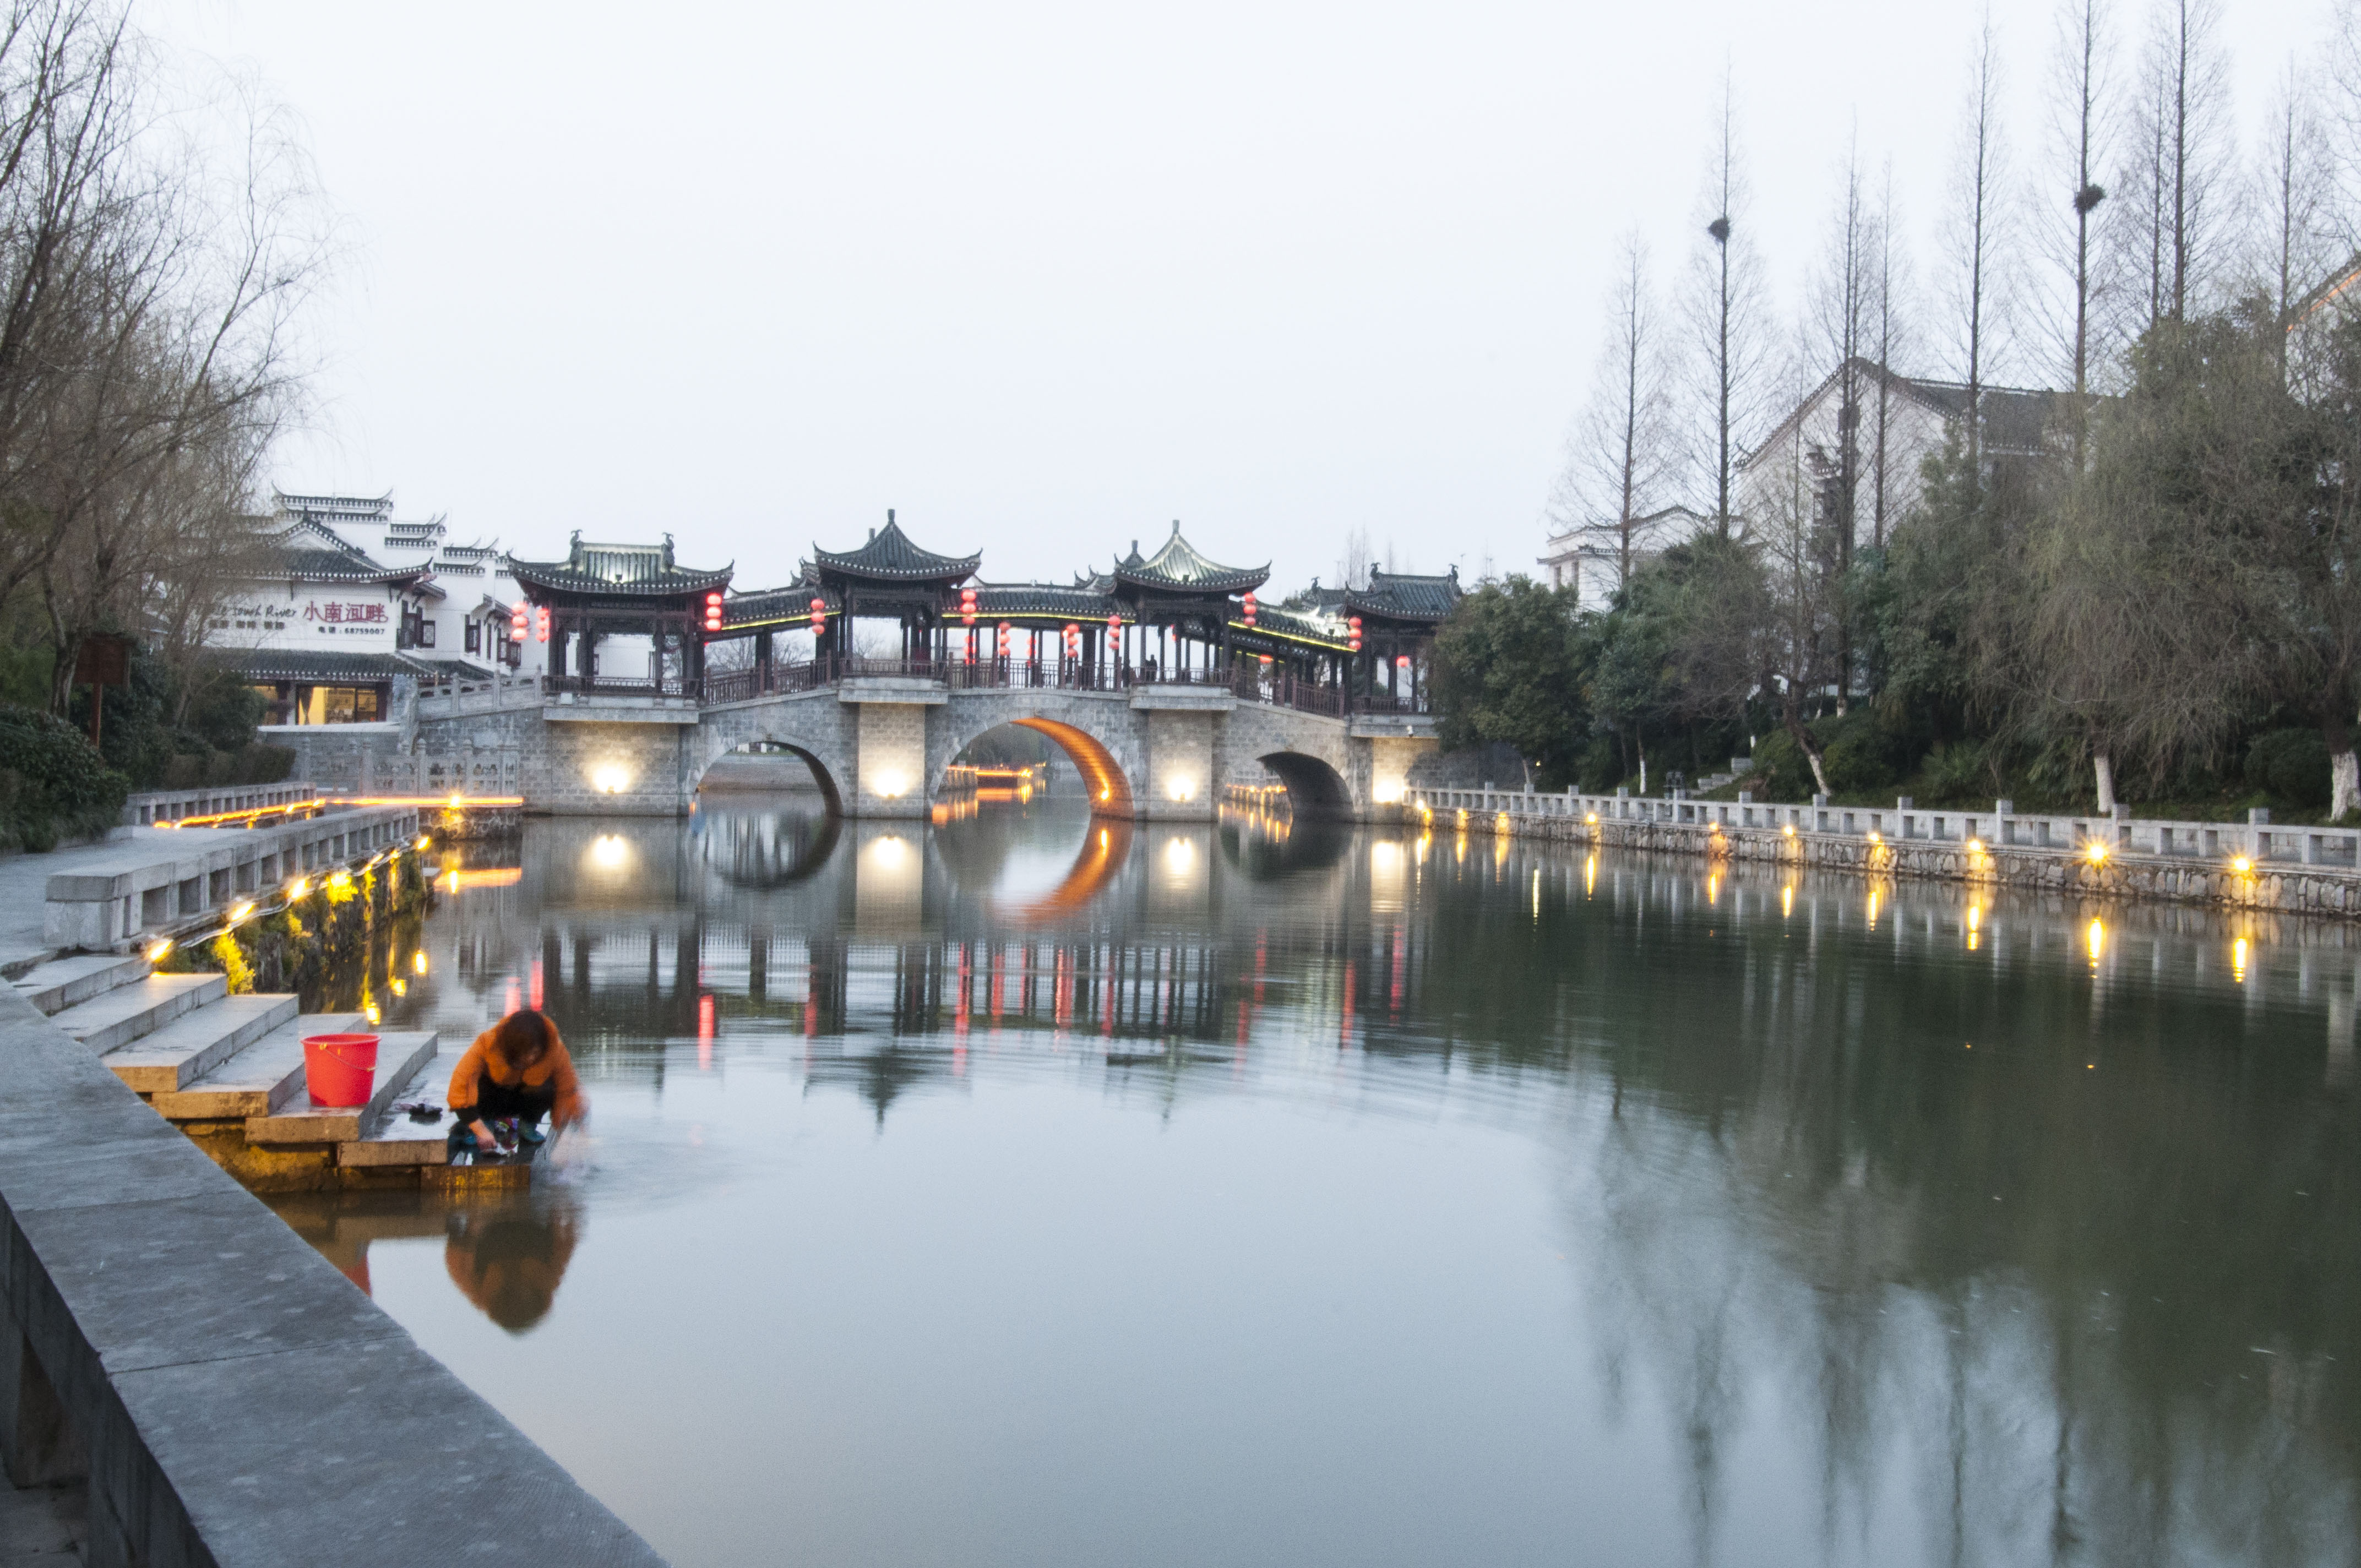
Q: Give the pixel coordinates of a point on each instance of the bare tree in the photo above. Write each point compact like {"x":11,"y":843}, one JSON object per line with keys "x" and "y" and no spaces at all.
{"x":1621,"y":456}
{"x":1889,"y":334}
{"x":2078,"y":146}
{"x":1797,"y":636}
{"x":1841,"y":311}
{"x":1980,"y":234}
{"x":2291,"y":233}
{"x":1726,"y":313}
{"x":2185,"y":100}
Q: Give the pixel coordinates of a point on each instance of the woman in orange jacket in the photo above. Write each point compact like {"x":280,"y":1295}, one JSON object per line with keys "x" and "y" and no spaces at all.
{"x":515,"y":1073}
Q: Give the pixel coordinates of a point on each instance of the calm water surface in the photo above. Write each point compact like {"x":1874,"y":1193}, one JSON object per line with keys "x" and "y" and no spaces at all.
{"x":1030,"y":1190}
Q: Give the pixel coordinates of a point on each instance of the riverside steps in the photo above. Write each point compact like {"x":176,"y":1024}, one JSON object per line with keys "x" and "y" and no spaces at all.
{"x":2256,"y":864}
{"x":228,"y":1072}
{"x":229,"y":1398}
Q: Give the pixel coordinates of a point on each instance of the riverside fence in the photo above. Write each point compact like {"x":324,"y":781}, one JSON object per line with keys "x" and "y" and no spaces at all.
{"x":2297,"y":869}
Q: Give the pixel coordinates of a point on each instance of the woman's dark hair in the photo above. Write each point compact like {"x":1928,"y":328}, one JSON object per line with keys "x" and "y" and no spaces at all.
{"x":523,"y":1038}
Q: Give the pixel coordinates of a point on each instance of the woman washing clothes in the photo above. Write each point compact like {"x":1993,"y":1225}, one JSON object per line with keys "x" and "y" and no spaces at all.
{"x":515,"y":1073}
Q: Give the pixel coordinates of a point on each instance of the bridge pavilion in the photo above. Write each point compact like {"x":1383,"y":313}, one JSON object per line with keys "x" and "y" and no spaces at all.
{"x":636,"y":592}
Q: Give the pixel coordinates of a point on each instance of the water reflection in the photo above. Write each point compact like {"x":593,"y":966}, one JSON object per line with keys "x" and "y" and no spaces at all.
{"x":1879,"y":1221}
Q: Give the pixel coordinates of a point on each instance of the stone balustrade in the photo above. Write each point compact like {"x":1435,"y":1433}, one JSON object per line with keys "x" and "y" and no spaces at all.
{"x":2255,"y":863}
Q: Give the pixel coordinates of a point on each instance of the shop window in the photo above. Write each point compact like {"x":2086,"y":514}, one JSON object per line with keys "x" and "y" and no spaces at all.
{"x":474,"y":637}
{"x":344,"y":704}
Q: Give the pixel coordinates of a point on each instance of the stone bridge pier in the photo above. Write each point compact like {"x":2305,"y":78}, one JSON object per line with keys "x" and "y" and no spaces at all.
{"x":883,"y":746}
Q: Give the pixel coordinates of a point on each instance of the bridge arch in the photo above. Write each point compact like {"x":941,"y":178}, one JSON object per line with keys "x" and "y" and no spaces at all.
{"x":1313,"y":788}
{"x":1103,"y":773}
{"x":742,"y":746}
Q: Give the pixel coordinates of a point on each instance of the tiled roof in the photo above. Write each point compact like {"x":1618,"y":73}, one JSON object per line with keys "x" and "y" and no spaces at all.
{"x":305,"y":665}
{"x":1178,"y":568}
{"x":310,"y":551}
{"x":890,"y":557}
{"x":637,"y":571}
{"x":994,"y":600}
{"x":1400,"y":597}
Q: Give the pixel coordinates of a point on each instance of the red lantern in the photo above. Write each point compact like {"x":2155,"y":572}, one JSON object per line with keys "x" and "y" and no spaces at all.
{"x":819,"y":612}
{"x":1250,"y":607}
{"x":520,"y":622}
{"x":713,"y":612}
{"x":541,"y":623}
{"x":967,"y":607}
{"x":1401,"y":661}
{"x":1073,"y":641}
{"x":1354,"y":623}
{"x":1005,"y":636}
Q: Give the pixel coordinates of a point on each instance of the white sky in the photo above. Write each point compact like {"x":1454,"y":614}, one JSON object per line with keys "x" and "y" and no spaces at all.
{"x":1043,"y":276}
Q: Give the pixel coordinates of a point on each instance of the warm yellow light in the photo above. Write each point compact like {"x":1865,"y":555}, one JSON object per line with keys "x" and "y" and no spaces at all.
{"x":891,"y":784}
{"x":2241,"y":865}
{"x":2097,"y":936}
{"x":1973,"y":916}
{"x":299,"y":887}
{"x":418,"y":962}
{"x":1387,"y":793}
{"x":1874,"y":838}
{"x":1975,"y":846}
{"x":400,"y":987}
{"x":1786,"y":901}
{"x":374,"y":1016}
{"x":1591,"y":818}
{"x":1106,"y":792}
{"x":160,"y":949}
{"x":2238,"y":960}
{"x":1789,"y":830}
{"x":240,"y":912}
{"x":2098,"y":854}
{"x":608,"y":852}
{"x":341,"y":879}
{"x":887,"y":851}
{"x":610,"y":779}
{"x":423,"y":842}
{"x":1180,"y":856}
{"x":1180,"y":789}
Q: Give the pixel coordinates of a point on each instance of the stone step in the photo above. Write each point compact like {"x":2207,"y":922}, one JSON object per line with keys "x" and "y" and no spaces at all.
{"x":399,"y":1054}
{"x":195,"y":1043}
{"x":59,"y":983}
{"x":115,"y":1019}
{"x":259,"y":1079}
{"x":393,"y":1139}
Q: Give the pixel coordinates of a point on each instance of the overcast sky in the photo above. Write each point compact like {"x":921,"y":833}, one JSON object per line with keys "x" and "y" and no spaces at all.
{"x":1045,"y":277}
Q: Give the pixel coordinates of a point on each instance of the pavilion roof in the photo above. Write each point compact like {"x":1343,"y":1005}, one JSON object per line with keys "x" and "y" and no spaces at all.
{"x":1079,"y":602}
{"x":633,"y":571}
{"x":1401,"y":596}
{"x":890,"y":557}
{"x":1178,"y":568}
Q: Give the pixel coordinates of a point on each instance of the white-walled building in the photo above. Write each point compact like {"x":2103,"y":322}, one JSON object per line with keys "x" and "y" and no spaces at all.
{"x":361,"y":607}
{"x":1801,"y":455}
{"x":1589,"y":559}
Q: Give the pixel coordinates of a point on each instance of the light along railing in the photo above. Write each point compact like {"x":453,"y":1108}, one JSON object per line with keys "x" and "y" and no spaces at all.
{"x":2241,"y":847}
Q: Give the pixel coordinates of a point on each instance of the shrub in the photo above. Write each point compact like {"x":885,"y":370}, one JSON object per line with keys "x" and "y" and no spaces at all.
{"x":55,"y":782}
{"x":2293,"y":764}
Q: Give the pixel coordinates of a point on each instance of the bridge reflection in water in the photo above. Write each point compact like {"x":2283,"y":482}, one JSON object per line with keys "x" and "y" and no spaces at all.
{"x":892,"y":948}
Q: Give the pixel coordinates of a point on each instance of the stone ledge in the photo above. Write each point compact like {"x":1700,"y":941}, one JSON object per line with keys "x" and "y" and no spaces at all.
{"x":1182,"y":700}
{"x":1391,"y":727}
{"x":911,"y":690}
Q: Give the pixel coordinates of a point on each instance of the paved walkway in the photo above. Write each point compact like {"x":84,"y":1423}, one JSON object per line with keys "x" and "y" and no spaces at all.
{"x":25,"y":886}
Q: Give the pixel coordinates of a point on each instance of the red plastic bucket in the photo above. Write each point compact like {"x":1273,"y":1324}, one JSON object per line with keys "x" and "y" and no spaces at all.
{"x":339,"y":1069}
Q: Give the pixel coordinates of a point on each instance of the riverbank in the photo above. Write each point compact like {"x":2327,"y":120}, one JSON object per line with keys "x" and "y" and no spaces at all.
{"x":2255,"y":865}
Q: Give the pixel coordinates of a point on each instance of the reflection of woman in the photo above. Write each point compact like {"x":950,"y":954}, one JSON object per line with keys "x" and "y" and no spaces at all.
{"x":508,"y":1261}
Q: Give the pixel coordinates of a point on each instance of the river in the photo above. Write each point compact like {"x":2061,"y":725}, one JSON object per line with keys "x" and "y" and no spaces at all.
{"x":1031,"y":1189}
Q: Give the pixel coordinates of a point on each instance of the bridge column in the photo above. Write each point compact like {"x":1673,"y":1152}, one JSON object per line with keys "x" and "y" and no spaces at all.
{"x":1385,"y":748}
{"x":1184,"y":729}
{"x":889,"y":761}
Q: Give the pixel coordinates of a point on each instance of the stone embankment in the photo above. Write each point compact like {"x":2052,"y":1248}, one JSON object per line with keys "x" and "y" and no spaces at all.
{"x":2255,"y":864}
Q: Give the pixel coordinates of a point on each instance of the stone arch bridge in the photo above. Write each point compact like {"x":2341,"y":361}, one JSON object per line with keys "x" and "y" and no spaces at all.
{"x":878,"y":746}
